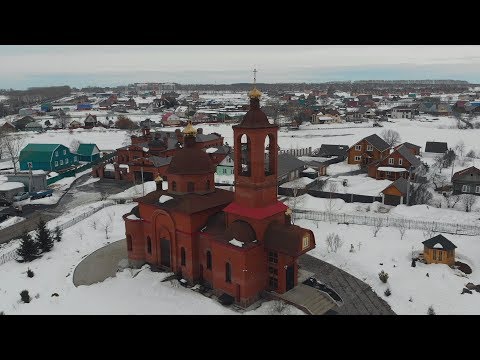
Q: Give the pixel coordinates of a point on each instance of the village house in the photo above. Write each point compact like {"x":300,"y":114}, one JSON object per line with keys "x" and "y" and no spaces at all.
{"x":7,"y":127}
{"x":90,"y":121}
{"x":466,"y":181}
{"x":399,"y":163}
{"x":396,"y":193}
{"x":34,"y":126}
{"x":289,"y":168}
{"x":239,"y":243}
{"x":369,"y":149}
{"x":414,"y":149}
{"x":48,"y":157}
{"x":401,"y":113}
{"x":171,"y":119}
{"x":88,"y":152}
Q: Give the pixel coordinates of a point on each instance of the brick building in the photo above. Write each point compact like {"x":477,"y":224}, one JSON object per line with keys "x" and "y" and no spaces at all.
{"x":239,"y":243}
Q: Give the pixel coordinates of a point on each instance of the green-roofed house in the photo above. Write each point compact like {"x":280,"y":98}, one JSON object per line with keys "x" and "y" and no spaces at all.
{"x":48,"y":157}
{"x":88,"y":152}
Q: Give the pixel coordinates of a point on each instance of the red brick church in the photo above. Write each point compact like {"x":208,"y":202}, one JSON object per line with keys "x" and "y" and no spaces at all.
{"x":239,"y":243}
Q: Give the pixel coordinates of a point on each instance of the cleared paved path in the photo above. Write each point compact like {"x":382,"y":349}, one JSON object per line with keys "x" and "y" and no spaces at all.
{"x":358,"y":297}
{"x":100,"y":264}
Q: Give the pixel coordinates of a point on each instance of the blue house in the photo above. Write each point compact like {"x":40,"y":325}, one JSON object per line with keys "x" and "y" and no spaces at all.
{"x":88,"y":152}
{"x":226,"y":166}
{"x":84,"y":106}
{"x":48,"y":157}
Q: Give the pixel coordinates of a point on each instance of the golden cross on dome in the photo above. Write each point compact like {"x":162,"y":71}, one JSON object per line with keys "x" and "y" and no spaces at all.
{"x":254,"y":93}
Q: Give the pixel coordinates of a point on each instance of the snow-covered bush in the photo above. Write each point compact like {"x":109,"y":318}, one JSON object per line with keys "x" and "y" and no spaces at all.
{"x":383,"y":276}
{"x":333,"y":242}
{"x":278,"y":307}
{"x":24,"y":295}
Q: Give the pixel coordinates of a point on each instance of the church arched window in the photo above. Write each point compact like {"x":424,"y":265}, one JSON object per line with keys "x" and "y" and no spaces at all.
{"x":244,"y":164}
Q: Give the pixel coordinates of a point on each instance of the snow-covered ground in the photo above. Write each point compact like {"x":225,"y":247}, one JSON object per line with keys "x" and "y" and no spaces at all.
{"x":357,"y":184}
{"x":441,"y":289}
{"x":137,"y":191}
{"x":11,"y":221}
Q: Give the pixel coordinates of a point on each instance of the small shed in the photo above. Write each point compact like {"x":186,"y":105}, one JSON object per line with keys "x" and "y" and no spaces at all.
{"x":33,"y":182}
{"x":436,"y":147}
{"x":88,"y":152}
{"x":439,"y":250}
{"x":9,"y":189}
{"x":34,"y":126}
{"x":395,"y":193}
{"x":46,"y":107}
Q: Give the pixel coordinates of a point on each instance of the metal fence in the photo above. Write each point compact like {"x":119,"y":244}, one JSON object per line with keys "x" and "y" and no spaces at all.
{"x":12,"y":254}
{"x":389,"y":221}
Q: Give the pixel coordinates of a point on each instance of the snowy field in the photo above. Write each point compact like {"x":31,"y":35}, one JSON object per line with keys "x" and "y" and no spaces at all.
{"x":441,"y":289}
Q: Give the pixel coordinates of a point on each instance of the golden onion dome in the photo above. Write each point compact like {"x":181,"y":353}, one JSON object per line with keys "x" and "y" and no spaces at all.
{"x":254,"y":93}
{"x":158,"y":179}
{"x":288,"y":211}
{"x":190,"y":130}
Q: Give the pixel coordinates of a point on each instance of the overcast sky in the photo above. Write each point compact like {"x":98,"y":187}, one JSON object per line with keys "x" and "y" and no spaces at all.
{"x":81,"y":65}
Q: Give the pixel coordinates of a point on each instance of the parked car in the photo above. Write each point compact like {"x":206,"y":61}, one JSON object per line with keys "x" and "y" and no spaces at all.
{"x":21,"y":196}
{"x":4,"y":217}
{"x":5,"y":202}
{"x":41,"y":194}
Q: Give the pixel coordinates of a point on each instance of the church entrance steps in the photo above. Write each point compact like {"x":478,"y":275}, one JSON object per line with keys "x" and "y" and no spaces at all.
{"x":308,"y":299}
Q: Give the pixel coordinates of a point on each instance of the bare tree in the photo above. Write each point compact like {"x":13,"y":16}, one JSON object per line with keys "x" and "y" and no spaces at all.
{"x":460,"y":148}
{"x":437,"y":178}
{"x":93,"y":224}
{"x":471,"y":154}
{"x":391,"y":137}
{"x":402,"y":227}
{"x":296,"y":201}
{"x":74,"y":145}
{"x":331,"y":188}
{"x":107,"y":227}
{"x":468,"y":200}
{"x":13,"y":144}
{"x":377,"y":225}
{"x":429,"y":231}
{"x":79,"y":232}
{"x":451,"y":200}
{"x":333,"y":242}
{"x":63,"y":120}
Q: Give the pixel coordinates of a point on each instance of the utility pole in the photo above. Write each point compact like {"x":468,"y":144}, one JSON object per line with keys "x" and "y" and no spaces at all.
{"x":408,"y":185}
{"x":30,"y":177}
{"x":143,"y":184}
{"x":453,"y":166}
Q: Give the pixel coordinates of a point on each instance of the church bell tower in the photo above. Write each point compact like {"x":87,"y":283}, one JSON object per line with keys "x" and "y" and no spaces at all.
{"x":256,"y":156}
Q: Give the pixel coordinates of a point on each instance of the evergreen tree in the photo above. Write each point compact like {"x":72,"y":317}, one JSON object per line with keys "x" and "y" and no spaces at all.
{"x":43,"y":237}
{"x":58,"y":234}
{"x":28,"y":249}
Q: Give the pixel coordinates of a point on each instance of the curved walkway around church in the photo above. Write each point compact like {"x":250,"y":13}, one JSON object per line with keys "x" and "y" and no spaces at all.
{"x":358,"y":297}
{"x":101,"y":264}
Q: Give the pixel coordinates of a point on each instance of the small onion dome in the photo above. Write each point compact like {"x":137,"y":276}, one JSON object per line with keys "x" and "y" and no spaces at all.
{"x":158,"y":179}
{"x":254,"y":94}
{"x":288,"y":211}
{"x":190,"y":130}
